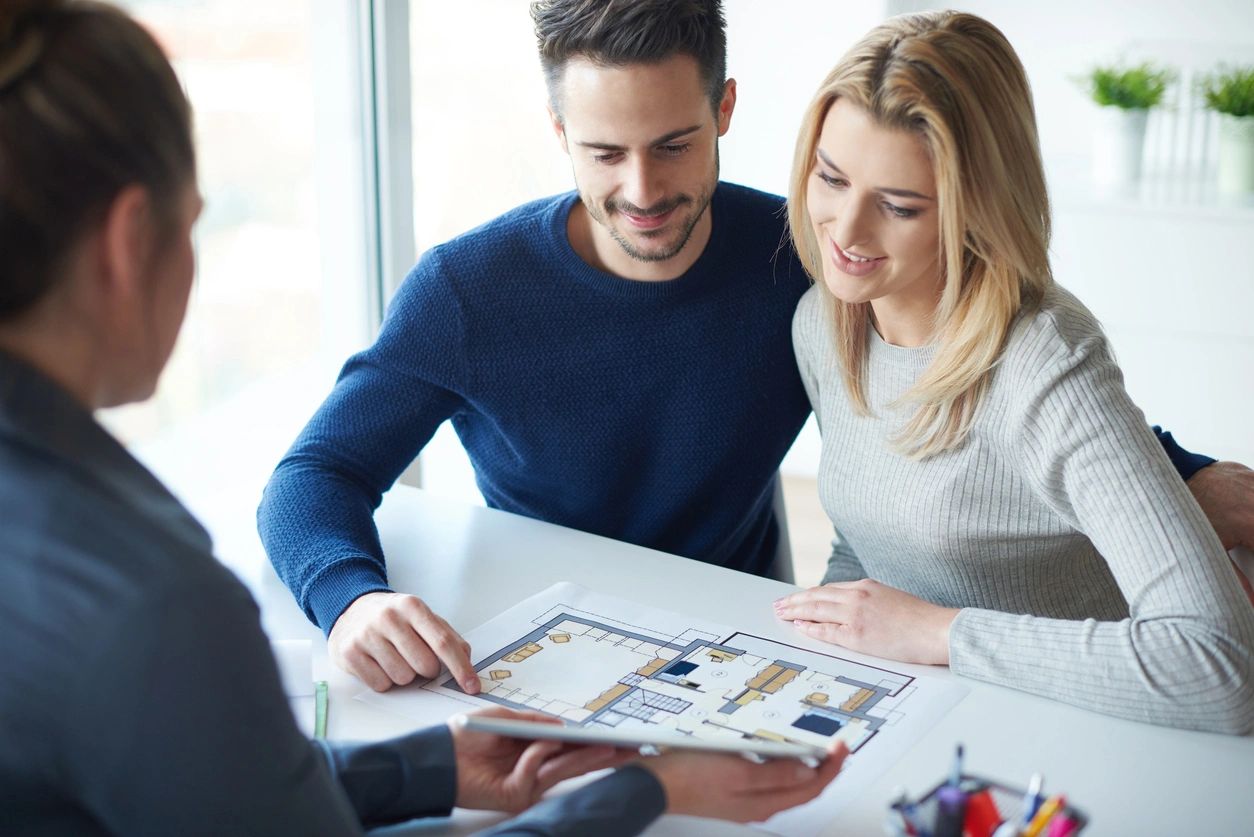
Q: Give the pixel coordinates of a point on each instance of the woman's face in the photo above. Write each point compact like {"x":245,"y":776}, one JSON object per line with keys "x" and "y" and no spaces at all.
{"x":872,"y":201}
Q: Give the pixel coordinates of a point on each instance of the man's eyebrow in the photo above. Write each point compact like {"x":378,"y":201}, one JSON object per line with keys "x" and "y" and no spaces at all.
{"x":900,"y":193}
{"x":662,"y":140}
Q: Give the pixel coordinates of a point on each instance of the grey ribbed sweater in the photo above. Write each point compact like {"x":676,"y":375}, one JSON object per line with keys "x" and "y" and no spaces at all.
{"x":1083,"y":566}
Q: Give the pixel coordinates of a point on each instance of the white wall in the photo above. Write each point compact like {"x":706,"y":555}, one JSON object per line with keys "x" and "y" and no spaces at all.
{"x":778,"y":53}
{"x":1067,"y":37}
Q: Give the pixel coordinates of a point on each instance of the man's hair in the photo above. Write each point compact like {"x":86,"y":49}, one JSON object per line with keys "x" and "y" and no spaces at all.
{"x":615,"y":33}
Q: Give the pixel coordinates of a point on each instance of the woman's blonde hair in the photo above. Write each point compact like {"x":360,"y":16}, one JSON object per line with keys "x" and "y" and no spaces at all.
{"x":954,"y":81}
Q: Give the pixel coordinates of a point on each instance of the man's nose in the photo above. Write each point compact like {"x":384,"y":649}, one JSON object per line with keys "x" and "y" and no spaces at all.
{"x":643,"y":187}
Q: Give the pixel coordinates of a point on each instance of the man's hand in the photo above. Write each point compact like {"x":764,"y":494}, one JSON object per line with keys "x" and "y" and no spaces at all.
{"x":511,"y":774}
{"x":731,"y":788}
{"x":873,"y":618}
{"x":388,"y":639}
{"x":1225,"y":491}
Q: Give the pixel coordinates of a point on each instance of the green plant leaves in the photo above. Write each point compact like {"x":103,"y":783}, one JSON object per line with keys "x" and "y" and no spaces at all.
{"x":1132,"y":88}
{"x":1230,"y":91}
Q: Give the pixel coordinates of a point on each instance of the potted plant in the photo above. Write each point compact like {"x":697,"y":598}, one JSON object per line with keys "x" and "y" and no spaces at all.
{"x":1125,"y":94}
{"x":1230,"y":93}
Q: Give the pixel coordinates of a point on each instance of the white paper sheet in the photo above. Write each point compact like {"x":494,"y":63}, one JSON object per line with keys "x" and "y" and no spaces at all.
{"x":294,"y":657}
{"x":594,"y":659}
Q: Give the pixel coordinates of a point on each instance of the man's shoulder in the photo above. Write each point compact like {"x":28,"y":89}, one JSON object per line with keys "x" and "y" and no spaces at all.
{"x":750,"y":201}
{"x":503,"y":235}
{"x":522,"y":239}
{"x":751,"y":228}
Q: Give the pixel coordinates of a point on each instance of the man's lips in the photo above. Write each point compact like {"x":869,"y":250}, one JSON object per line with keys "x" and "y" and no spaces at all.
{"x":647,"y":222}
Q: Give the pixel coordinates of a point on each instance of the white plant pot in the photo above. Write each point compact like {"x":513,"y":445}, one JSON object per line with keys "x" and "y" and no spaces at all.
{"x":1118,"y":144}
{"x":1236,"y":154}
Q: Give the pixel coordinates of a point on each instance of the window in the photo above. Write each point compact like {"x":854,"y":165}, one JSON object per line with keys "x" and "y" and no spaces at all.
{"x":282,"y":292}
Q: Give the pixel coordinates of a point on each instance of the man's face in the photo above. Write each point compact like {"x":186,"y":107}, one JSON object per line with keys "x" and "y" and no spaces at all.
{"x":643,"y":145}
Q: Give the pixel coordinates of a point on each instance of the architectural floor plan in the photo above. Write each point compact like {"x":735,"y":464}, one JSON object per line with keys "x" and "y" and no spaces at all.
{"x":593,"y":670}
{"x":598,"y":660}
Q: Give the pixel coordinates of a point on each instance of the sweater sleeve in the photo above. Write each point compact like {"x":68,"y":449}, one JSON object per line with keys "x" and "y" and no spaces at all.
{"x":1185,"y":462}
{"x":316,"y":517}
{"x":843,"y":563}
{"x":1183,"y":657}
{"x":621,"y":804}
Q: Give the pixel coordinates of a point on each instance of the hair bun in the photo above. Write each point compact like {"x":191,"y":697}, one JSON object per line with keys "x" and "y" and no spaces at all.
{"x":22,"y":36}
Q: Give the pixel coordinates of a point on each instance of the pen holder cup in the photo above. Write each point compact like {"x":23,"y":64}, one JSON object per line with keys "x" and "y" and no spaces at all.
{"x":1007,"y":798}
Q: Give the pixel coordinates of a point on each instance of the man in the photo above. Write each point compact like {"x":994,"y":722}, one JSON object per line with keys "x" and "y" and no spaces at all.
{"x":616,"y":360}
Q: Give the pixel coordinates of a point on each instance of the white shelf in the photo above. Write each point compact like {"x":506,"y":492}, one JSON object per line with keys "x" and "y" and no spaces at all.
{"x":1071,"y":189}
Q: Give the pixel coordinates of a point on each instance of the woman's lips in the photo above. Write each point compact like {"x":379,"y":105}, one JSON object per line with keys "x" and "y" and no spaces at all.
{"x":860,"y":266}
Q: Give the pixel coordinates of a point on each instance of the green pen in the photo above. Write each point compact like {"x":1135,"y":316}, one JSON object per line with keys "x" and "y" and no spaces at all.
{"x":320,"y":709}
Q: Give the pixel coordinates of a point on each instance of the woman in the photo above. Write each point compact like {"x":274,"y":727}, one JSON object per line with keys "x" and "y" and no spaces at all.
{"x":138,"y":694}
{"x":1000,"y":503}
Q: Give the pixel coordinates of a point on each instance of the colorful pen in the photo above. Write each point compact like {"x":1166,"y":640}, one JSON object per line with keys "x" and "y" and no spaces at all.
{"x":1044,"y":815}
{"x":951,"y":802}
{"x":982,"y":816}
{"x":1032,"y":799}
{"x":1062,"y":825}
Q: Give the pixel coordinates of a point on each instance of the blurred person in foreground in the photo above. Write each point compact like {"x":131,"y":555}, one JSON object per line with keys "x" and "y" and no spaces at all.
{"x":139,"y":694}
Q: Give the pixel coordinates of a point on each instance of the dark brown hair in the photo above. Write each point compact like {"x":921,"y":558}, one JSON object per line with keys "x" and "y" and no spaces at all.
{"x":88,"y":106}
{"x":615,"y":33}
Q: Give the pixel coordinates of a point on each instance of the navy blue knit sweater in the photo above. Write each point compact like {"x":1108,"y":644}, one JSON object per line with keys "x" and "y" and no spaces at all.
{"x":651,"y":412}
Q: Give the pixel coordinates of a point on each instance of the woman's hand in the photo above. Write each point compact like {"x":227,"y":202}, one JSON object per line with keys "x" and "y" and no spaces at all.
{"x":872,"y":618}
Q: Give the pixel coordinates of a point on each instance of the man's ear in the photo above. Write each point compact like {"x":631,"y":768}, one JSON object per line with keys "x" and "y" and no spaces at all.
{"x":559,"y":129}
{"x":726,"y":106}
{"x":126,"y":240}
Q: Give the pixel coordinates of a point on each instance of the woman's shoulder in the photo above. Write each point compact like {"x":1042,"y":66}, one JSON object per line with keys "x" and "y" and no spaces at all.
{"x":812,"y":314}
{"x":1057,"y":330}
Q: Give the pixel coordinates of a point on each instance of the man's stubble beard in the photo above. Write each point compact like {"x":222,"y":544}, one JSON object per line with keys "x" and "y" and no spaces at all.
{"x":602,"y":214}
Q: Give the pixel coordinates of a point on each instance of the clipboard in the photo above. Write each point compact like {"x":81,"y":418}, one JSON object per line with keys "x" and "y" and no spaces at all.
{"x":647,"y":742}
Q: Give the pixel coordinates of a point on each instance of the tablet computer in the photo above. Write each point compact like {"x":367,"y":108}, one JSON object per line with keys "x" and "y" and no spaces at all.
{"x":646,"y":741}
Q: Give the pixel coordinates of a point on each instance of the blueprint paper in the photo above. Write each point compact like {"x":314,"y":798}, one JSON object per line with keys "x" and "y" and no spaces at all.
{"x":597,"y":660}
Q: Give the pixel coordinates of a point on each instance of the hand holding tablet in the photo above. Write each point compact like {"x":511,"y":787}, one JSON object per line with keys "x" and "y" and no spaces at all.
{"x":646,"y":742}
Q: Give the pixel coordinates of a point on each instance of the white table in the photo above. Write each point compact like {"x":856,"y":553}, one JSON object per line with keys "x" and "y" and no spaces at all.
{"x":471,"y":563}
